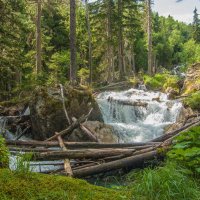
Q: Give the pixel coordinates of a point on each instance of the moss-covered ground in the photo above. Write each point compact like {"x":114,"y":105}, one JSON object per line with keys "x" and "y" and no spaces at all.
{"x":33,"y":186}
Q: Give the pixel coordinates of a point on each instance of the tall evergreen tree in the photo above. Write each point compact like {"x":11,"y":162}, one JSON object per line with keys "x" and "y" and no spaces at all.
{"x":196,"y":26}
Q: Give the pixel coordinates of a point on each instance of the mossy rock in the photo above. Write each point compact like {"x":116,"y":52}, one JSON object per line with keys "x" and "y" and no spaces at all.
{"x":47,"y":114}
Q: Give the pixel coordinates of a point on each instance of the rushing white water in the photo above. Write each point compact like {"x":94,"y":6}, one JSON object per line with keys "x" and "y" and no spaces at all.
{"x":138,"y":115}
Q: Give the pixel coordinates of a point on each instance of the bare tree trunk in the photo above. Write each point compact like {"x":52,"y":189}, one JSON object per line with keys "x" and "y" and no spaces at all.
{"x":120,"y":41}
{"x":73,"y":66}
{"x":89,"y":40}
{"x":149,"y":32}
{"x":109,"y":45}
{"x":38,"y":38}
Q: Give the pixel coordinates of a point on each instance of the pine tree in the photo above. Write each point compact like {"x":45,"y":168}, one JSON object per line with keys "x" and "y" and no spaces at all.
{"x":196,"y":26}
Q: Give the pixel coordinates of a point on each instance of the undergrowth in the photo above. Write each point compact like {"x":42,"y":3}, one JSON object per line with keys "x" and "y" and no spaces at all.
{"x":4,"y":153}
{"x":193,"y":101}
{"x":161,"y":81}
{"x":186,"y":150}
{"x":169,"y":182}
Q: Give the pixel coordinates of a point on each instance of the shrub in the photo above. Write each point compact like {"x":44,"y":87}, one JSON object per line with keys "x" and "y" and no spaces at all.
{"x":186,"y":151}
{"x":193,"y":101}
{"x":168,"y":183}
{"x":4,"y":153}
{"x":161,"y":81}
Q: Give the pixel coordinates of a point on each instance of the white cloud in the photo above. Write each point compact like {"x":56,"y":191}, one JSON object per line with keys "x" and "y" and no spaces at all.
{"x":182,"y":11}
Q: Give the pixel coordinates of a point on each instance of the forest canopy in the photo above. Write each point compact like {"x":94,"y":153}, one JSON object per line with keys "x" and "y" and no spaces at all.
{"x":111,"y":41}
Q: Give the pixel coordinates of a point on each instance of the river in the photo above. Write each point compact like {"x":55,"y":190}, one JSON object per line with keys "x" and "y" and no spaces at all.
{"x":138,"y":115}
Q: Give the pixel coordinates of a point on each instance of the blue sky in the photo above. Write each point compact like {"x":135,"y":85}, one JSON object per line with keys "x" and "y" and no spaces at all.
{"x":182,"y":11}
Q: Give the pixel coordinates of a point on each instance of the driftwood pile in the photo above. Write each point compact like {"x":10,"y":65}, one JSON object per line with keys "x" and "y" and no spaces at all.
{"x":82,"y":159}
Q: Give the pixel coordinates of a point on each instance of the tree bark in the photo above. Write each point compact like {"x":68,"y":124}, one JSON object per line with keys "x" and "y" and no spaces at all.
{"x":89,"y":40}
{"x":73,"y":67}
{"x":149,"y":35}
{"x":67,"y":165}
{"x":81,"y":154}
{"x":133,"y":162}
{"x":73,"y":126}
{"x":78,"y":145}
{"x":38,"y":38}
{"x":120,"y":41}
{"x":109,"y":42}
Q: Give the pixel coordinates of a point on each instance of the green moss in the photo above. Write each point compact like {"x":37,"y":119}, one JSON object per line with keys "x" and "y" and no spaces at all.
{"x":193,"y":101}
{"x":4,"y":154}
{"x":37,"y":186}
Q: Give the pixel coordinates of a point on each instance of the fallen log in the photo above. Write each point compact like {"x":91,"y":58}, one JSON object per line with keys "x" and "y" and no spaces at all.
{"x":171,"y":134}
{"x":133,"y":162}
{"x":129,"y":103}
{"x":28,"y":150}
{"x":79,"y":145}
{"x":73,"y":126}
{"x":86,"y":131}
{"x":190,"y":116}
{"x":80,"y":154}
{"x":63,"y":102}
{"x":67,"y":166}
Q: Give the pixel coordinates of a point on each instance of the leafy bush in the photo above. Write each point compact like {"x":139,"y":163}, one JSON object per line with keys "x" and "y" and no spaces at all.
{"x":186,"y":151}
{"x":83,"y":74}
{"x":171,"y":81}
{"x":4,"y":153}
{"x":161,"y":81}
{"x":170,"y":182}
{"x":193,"y":101}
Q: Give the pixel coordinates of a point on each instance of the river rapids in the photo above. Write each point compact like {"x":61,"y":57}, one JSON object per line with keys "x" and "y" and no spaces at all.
{"x":138,"y":115}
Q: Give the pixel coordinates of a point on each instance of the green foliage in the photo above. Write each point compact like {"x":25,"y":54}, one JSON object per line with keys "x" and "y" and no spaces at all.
{"x":23,"y":163}
{"x":155,"y":82}
{"x":37,"y":186}
{"x":186,"y":150}
{"x":169,"y":182}
{"x":4,"y":153}
{"x":193,"y":101}
{"x":83,"y":74}
{"x":161,"y":81}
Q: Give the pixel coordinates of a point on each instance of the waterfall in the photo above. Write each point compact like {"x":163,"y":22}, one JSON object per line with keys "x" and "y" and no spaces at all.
{"x":3,"y":130}
{"x":138,"y":115}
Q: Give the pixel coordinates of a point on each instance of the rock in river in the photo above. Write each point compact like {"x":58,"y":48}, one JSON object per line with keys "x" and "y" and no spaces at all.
{"x":47,"y":114}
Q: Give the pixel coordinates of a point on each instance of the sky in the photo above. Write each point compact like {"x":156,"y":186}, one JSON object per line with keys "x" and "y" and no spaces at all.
{"x":182,"y":11}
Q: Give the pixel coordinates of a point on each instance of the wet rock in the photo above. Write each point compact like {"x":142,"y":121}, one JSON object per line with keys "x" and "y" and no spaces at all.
{"x":47,"y":114}
{"x":103,"y":132}
{"x":184,"y":113}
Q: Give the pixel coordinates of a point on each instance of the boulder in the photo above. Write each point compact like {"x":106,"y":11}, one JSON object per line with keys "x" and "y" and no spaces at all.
{"x":47,"y":114}
{"x":103,"y":132}
{"x":192,"y":81}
